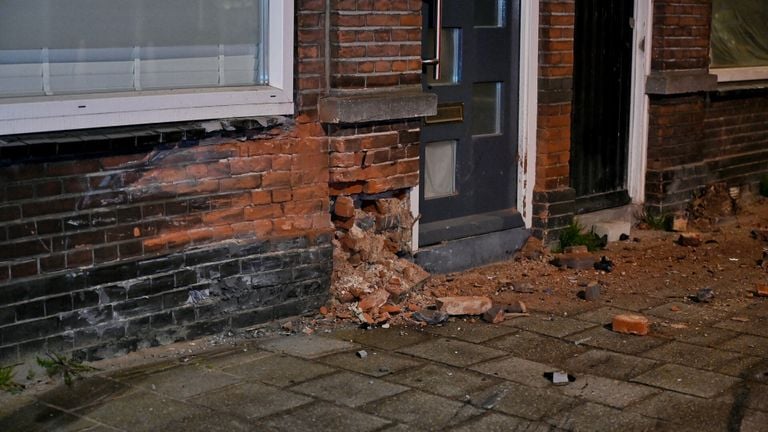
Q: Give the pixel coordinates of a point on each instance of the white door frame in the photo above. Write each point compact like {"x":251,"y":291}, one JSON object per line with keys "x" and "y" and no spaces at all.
{"x":638,"y":122}
{"x":528,"y":108}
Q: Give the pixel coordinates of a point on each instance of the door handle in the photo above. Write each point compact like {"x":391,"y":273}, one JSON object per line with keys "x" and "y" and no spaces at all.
{"x":435,"y":61}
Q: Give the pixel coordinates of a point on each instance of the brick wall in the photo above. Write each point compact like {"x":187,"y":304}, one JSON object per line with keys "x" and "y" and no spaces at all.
{"x":553,"y":197}
{"x":698,"y":137}
{"x":156,"y":237}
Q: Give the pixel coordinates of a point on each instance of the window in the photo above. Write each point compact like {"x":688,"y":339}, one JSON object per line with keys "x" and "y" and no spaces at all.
{"x":739,"y":45}
{"x":69,"y":64}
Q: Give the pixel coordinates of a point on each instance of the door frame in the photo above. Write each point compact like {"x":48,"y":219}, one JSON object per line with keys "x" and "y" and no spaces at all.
{"x":642,"y":46}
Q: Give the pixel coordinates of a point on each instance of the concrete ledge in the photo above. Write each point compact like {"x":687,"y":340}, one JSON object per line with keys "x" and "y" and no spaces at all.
{"x":466,"y":253}
{"x":680,"y":82}
{"x":378,"y":106}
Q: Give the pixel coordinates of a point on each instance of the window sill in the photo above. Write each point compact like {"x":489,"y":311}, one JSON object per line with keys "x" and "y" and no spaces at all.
{"x":45,"y":114}
{"x":740,"y":74}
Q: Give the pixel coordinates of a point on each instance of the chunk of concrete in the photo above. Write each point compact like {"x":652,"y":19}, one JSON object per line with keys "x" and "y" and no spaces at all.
{"x":464,"y":305}
{"x":612,"y":229}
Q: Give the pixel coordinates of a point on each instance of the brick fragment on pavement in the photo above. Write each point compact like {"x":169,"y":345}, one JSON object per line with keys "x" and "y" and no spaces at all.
{"x":761,"y":290}
{"x":374,"y":300}
{"x":689,"y":239}
{"x":494,"y":315}
{"x":630,"y":324}
{"x":464,"y":305}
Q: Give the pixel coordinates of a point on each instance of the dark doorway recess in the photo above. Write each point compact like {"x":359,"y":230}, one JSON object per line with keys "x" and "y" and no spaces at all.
{"x":601,"y":103}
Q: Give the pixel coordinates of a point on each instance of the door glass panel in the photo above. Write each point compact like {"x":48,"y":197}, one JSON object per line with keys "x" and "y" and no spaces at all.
{"x":489,"y":13}
{"x":486,"y":108}
{"x":439,"y":169}
{"x":449,"y":57}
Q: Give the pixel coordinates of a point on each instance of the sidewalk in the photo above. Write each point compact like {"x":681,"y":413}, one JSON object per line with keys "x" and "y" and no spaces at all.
{"x":705,"y":373}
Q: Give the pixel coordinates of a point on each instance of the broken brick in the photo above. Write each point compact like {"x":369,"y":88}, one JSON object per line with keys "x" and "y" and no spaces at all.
{"x":630,"y":324}
{"x":464,"y":305}
{"x":761,"y":290}
{"x":374,"y":300}
{"x":494,"y":315}
{"x":344,"y":207}
{"x":689,"y":239}
{"x":391,"y":309}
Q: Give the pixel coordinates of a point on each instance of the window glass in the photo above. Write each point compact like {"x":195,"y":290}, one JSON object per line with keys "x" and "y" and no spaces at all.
{"x":439,"y":169}
{"x":449,"y":56}
{"x":50,"y":47}
{"x":489,"y":13}
{"x":486,"y":108}
{"x":739,"y":33}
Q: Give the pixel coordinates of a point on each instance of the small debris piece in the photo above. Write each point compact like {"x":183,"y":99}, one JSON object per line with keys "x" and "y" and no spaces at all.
{"x":494,"y":315}
{"x":592,"y":292}
{"x":679,"y":326}
{"x":604,"y":264}
{"x":391,"y":309}
{"x":523,"y":287}
{"x":705,"y":295}
{"x":761,"y":290}
{"x":559,"y":378}
{"x":362,"y":354}
{"x":509,"y":315}
{"x":430,"y":317}
{"x":760,"y":234}
{"x":689,"y":239}
{"x":516,"y":307}
{"x":532,"y":249}
{"x":323,"y":310}
{"x":623,"y":237}
{"x":675,"y":308}
{"x":493,"y":399}
{"x":581,"y":249}
{"x":287,"y":326}
{"x":374,"y":300}
{"x":630,"y":324}
{"x":740,"y":319}
{"x":464,"y":305}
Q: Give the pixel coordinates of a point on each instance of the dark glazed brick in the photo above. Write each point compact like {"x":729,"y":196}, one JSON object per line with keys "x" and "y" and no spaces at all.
{"x":29,"y":330}
{"x":27,"y":311}
{"x":85,"y":299}
{"x":25,"y":269}
{"x":104,"y":254}
{"x":161,"y":320}
{"x":112,"y":273}
{"x":49,"y":226}
{"x":52,"y":263}
{"x":58,"y":304}
{"x":7,"y":315}
{"x":161,"y":265}
{"x":130,"y":249}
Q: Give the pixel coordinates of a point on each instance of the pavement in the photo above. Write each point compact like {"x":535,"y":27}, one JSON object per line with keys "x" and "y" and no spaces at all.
{"x":699,"y":370}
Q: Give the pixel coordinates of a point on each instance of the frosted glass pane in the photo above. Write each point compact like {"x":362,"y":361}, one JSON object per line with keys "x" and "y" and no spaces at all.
{"x":739,"y":33}
{"x":80,"y":46}
{"x":486,"y":108}
{"x":450,"y":59}
{"x":489,"y":13}
{"x":439,"y":169}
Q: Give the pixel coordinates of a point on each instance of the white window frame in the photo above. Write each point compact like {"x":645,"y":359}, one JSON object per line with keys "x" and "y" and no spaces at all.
{"x":747,"y":73}
{"x":66,"y":112}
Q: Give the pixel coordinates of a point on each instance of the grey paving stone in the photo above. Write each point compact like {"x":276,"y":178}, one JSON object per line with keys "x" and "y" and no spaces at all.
{"x":443,"y":380}
{"x":691,"y":355}
{"x":535,"y":347}
{"x":423,"y":410}
{"x":603,"y":315}
{"x":279,"y":370}
{"x":212,"y":421}
{"x":687,"y":380}
{"x":452,"y":352}
{"x":757,"y":325}
{"x":550,"y":325}
{"x":84,"y":392}
{"x":609,"y":364}
{"x":754,"y":421}
{"x":349,"y":389}
{"x":307,"y":347}
{"x":747,"y":344}
{"x":10,"y":403}
{"x":601,"y":337}
{"x":523,"y":401}
{"x":140,"y":411}
{"x":183,"y":381}
{"x":470,"y":332}
{"x":390,"y":339}
{"x":251,"y":400}
{"x":740,"y":367}
{"x":323,"y":417}
{"x":401,"y":428}
{"x":591,"y":417}
{"x":494,"y":422}
{"x":690,"y":313}
{"x":232,"y":357}
{"x":36,"y":416}
{"x":607,"y":391}
{"x":750,"y":394}
{"x":696,"y":335}
{"x":518,"y":370}
{"x":690,"y":411}
{"x":376,"y":363}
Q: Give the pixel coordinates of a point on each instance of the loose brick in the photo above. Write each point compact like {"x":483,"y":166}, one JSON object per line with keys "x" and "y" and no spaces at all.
{"x":464,"y":305}
{"x":344,"y":207}
{"x":631,"y":324}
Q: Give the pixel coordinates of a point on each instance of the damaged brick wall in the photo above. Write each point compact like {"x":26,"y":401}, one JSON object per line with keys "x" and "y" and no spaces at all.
{"x":553,"y":197}
{"x":126,"y":237}
{"x":129,"y":241}
{"x":697,"y":135}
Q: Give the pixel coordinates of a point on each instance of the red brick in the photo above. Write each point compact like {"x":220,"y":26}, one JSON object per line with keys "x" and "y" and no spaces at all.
{"x":344,"y":207}
{"x":631,"y":324}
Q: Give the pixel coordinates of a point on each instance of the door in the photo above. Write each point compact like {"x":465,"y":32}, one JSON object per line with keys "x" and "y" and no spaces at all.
{"x":468,"y":151}
{"x":601,"y":103}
